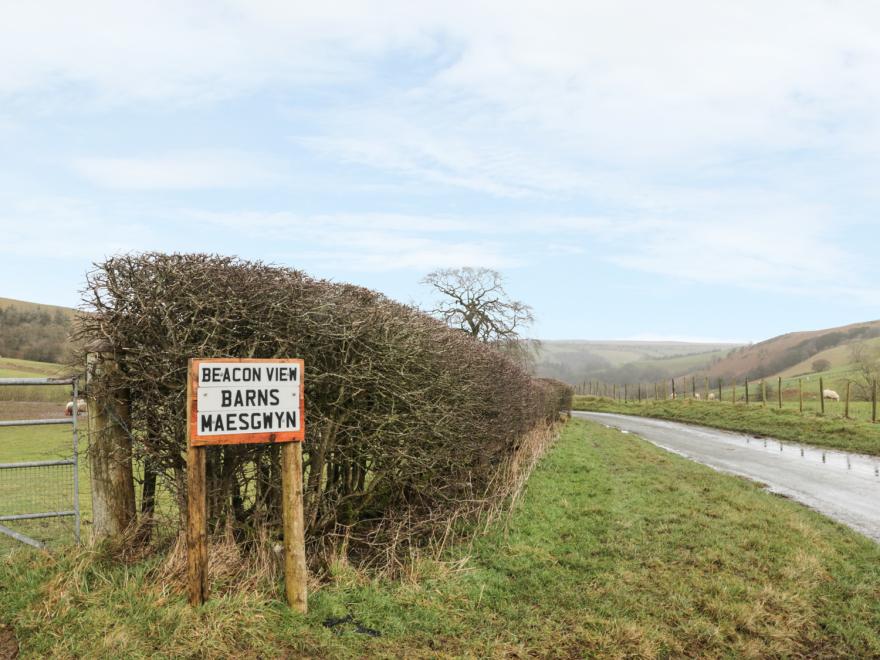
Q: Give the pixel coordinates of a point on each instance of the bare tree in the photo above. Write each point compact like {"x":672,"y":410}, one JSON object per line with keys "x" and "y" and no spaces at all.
{"x":474,"y":301}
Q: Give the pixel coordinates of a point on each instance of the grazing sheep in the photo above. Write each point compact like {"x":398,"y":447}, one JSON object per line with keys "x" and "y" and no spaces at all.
{"x":830,"y":394}
{"x":711,"y":396}
{"x":81,"y":407}
{"x":697,"y":395}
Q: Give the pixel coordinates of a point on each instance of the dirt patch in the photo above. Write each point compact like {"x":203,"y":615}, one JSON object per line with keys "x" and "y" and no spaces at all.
{"x":8,"y":643}
{"x":31,"y":410}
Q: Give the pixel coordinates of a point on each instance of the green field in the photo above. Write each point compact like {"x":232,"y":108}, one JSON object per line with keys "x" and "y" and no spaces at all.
{"x":617,"y":549}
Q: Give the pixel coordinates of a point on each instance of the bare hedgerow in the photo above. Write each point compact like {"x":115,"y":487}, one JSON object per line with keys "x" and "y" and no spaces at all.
{"x":409,"y":424}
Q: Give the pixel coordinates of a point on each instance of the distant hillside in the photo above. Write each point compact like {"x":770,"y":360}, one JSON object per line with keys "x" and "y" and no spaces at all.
{"x":793,"y":353}
{"x":576,"y":361}
{"x":29,"y":331}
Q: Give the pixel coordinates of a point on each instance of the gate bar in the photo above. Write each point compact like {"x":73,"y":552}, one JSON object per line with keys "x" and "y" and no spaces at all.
{"x":33,"y":464}
{"x":34,"y":516}
{"x":21,"y":537}
{"x":37,"y":381}
{"x":34,"y":422}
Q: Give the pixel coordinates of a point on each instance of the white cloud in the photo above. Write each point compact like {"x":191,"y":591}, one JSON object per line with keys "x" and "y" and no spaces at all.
{"x":180,"y":171}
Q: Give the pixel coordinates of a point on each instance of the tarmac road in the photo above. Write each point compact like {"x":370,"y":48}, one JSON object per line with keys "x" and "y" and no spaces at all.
{"x":843,"y":486}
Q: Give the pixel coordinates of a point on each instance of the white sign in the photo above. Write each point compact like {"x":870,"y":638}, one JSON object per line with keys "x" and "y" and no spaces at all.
{"x":247,"y":397}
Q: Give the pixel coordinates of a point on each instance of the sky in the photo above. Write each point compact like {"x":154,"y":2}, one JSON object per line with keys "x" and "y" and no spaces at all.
{"x":635,"y":170}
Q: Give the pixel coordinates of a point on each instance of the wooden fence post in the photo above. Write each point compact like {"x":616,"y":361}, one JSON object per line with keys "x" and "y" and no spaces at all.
{"x":763,"y":393}
{"x":720,"y":386}
{"x":747,"y":391}
{"x":801,"y":395}
{"x":874,"y":401}
{"x":733,"y":392}
{"x":846,"y":405}
{"x":779,"y":392}
{"x":706,"y":388}
{"x":112,"y":478}
{"x":821,"y":395}
{"x":673,"y":388}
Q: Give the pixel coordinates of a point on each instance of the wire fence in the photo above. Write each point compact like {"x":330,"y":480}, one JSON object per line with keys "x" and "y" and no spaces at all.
{"x":806,"y":395}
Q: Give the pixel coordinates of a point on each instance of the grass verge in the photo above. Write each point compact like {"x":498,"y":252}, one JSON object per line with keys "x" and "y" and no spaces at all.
{"x":617,"y":549}
{"x":833,"y":432}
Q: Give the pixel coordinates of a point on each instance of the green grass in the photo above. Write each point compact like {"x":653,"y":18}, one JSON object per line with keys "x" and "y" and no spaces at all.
{"x":787,"y":424}
{"x":617,"y":549}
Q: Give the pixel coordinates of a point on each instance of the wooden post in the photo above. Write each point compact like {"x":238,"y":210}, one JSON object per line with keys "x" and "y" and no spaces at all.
{"x":625,"y":393}
{"x":733,"y":392}
{"x":801,"y":395}
{"x":693,"y":387}
{"x":846,"y":405}
{"x":747,"y":391}
{"x":779,"y":392}
{"x":706,"y":388}
{"x":640,"y":391}
{"x":821,"y":395}
{"x":763,"y":393}
{"x":295,"y":570}
{"x":112,"y":477}
{"x":874,"y":401}
{"x":196,"y":523}
{"x":720,"y":386}
{"x":673,"y":388}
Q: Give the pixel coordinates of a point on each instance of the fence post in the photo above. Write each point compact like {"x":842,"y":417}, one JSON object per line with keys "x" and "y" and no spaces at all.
{"x":747,"y":391}
{"x":874,"y":401}
{"x":706,"y":388}
{"x":673,"y":388}
{"x":821,"y":395}
{"x":763,"y":393}
{"x":779,"y":392}
{"x":846,"y":405}
{"x":801,"y":395}
{"x":733,"y":392}
{"x":112,"y":478}
{"x":720,"y":387}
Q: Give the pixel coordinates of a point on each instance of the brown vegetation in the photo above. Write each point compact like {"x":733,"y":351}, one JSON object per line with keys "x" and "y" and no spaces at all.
{"x":410,"y":424}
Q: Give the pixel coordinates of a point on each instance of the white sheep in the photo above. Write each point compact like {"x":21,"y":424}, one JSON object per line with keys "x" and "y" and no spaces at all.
{"x":711,"y":396}
{"x":831,"y":395}
{"x":697,"y":395}
{"x":81,"y":407}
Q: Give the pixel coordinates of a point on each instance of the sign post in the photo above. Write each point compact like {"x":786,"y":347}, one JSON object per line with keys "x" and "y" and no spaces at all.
{"x":244,"y":401}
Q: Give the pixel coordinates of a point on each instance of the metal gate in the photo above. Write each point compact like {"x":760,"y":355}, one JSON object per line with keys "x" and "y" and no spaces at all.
{"x":35,"y":498}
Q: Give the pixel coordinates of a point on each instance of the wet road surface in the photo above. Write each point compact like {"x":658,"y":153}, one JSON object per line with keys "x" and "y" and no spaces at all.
{"x":843,"y":486}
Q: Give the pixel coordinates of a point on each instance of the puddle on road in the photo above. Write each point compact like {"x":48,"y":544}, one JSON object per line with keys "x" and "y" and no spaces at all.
{"x":858,"y":464}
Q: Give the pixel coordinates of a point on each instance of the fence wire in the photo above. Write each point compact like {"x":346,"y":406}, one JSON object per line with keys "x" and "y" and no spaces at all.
{"x":37,"y":490}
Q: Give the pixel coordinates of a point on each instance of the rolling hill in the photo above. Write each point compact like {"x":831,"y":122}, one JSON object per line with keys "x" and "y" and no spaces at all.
{"x":29,"y":331}
{"x":793,"y":353}
{"x":575,"y":361}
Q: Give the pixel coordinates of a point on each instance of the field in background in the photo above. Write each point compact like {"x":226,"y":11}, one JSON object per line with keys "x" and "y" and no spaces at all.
{"x":617,"y":549}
